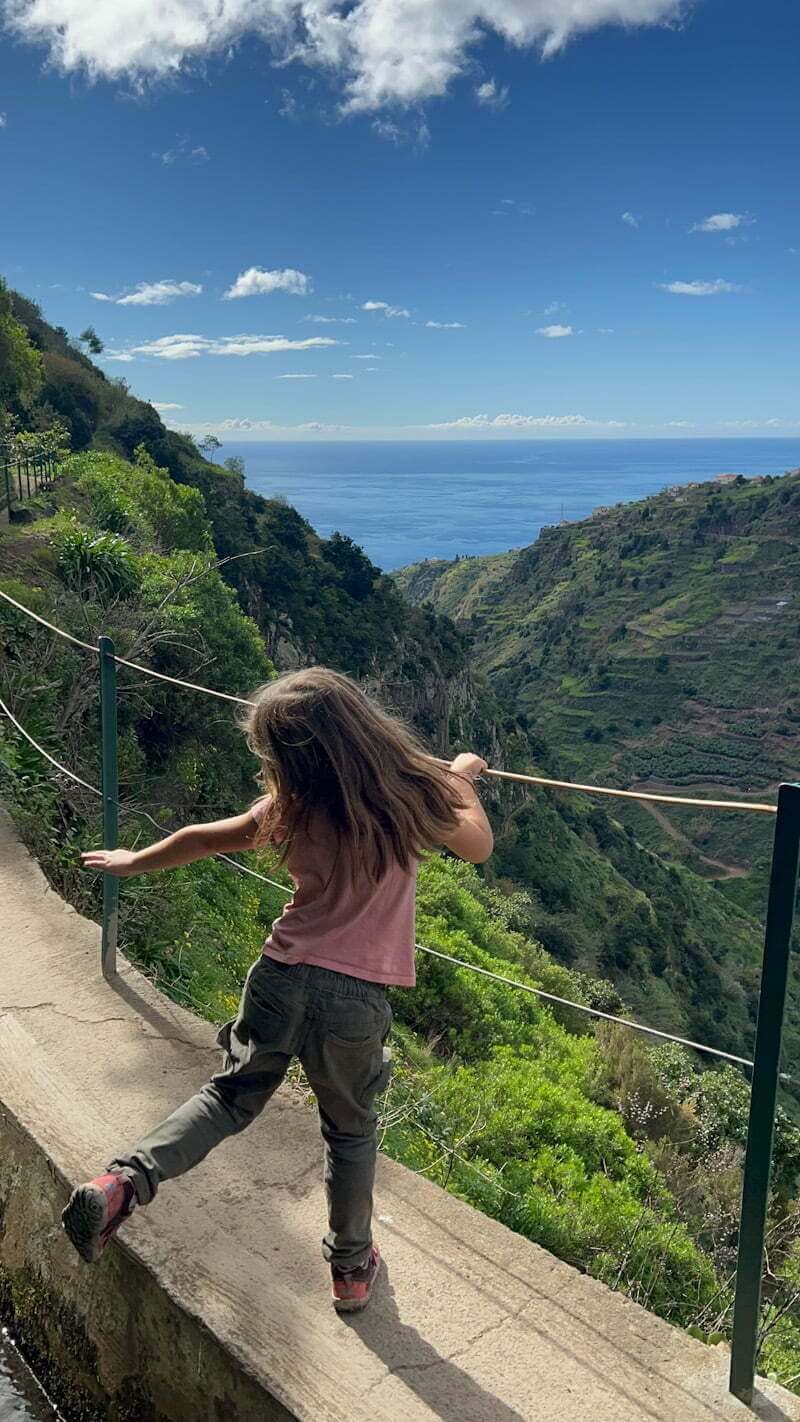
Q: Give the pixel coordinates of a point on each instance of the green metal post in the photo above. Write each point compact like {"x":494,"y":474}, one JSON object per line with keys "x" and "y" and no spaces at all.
{"x":110,"y":789}
{"x":766,"y":1067}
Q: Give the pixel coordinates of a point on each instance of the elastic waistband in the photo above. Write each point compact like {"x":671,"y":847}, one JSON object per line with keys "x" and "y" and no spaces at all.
{"x":324,"y":981}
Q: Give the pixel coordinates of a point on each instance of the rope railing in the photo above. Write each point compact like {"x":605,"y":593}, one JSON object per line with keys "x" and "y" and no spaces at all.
{"x":774,"y":977}
{"x":545,"y":782}
{"x":135,"y":810}
{"x":763,"y":809}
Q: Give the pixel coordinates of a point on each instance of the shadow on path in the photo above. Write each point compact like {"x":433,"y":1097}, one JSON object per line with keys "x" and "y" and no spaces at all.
{"x":766,"y":1410}
{"x":438,"y":1382}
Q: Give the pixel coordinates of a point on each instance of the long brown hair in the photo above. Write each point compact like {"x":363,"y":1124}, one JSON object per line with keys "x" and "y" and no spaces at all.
{"x":325,"y":747}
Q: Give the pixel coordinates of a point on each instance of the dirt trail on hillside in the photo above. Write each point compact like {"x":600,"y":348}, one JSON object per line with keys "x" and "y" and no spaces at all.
{"x":728,"y":871}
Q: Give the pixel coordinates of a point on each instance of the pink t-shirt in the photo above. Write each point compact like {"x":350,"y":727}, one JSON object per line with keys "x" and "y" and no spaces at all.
{"x":364,"y":929}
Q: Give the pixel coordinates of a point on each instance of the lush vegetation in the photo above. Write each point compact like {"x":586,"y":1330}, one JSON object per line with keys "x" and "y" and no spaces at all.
{"x":621,"y":1158}
{"x":640,"y":641}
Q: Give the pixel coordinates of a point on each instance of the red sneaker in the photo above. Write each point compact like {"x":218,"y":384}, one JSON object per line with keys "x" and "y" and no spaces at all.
{"x":95,"y":1212}
{"x":352,"y":1287}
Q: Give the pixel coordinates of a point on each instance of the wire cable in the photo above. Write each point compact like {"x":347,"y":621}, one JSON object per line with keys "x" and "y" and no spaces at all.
{"x":128,"y":809}
{"x":591,"y":1011}
{"x":59,"y":631}
{"x":62,"y":769}
{"x":759,"y":808}
{"x":421,"y":947}
{"x":189,"y":685}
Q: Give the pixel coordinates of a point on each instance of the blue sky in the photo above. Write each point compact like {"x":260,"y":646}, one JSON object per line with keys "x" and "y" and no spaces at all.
{"x":550,"y":225}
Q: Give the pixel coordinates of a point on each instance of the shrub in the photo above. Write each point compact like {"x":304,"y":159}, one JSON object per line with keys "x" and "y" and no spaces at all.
{"x":92,"y":561}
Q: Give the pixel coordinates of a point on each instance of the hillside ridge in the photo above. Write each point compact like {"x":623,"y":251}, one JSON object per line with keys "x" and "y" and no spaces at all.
{"x":641,"y":642}
{"x":571,"y":874}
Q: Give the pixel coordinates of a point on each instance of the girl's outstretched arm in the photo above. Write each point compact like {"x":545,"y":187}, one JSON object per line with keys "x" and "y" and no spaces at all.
{"x":182,"y":847}
{"x":472,"y":839}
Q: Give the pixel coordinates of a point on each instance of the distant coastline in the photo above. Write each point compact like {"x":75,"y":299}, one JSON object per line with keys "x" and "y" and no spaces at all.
{"x":405,"y":500}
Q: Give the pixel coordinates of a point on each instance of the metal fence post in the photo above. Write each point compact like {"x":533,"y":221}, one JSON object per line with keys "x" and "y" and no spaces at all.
{"x":7,"y":472}
{"x":110,"y":789}
{"x":766,"y":1066}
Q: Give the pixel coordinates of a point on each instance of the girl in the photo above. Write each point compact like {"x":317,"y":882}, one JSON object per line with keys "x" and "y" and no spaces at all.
{"x":353,"y":802}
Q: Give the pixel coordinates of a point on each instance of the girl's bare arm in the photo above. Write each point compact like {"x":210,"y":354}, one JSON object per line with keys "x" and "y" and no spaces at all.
{"x":182,"y":847}
{"x":472,"y":839}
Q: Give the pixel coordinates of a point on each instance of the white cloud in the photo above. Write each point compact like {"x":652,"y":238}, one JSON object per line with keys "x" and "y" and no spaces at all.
{"x":343,"y":377}
{"x":180,"y":347}
{"x":552,"y":308}
{"x":630,"y":219}
{"x":296,"y":376}
{"x":3,"y":120}
{"x":760,"y":424}
{"x":162,"y":405}
{"x":332,"y":320}
{"x":383,"y":51}
{"x":680,"y":425}
{"x":605,"y":330}
{"x":554,"y":333}
{"x":698,"y":288}
{"x":366,"y":357}
{"x":722,"y":222}
{"x":184,"y":149}
{"x":509,"y":207}
{"x":492,"y":95}
{"x":416,"y":133}
{"x":445,"y":325}
{"x":497,"y":422}
{"x":151,"y":293}
{"x":387,"y":309}
{"x":256,"y":282}
{"x":288,"y":106}
{"x":159,"y":293}
{"x":246,"y":426}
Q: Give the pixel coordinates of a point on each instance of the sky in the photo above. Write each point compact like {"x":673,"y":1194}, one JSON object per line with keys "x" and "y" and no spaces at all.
{"x":415,"y":218}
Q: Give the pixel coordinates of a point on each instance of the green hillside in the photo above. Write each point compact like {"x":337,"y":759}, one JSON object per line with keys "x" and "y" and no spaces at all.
{"x":653,"y":646}
{"x":571,"y":875}
{"x":622,"y":1158}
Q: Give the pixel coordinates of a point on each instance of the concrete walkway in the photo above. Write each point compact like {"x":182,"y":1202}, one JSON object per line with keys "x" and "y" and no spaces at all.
{"x":470,"y":1323}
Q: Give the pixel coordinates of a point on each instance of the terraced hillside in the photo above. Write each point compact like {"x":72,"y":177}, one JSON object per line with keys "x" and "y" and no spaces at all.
{"x":566,"y":874}
{"x":653,"y":645}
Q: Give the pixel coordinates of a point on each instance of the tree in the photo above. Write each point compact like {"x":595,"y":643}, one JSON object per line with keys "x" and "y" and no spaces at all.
{"x":72,"y":394}
{"x":234,"y":465}
{"x":210,"y":445}
{"x":20,"y":362}
{"x":90,"y":338}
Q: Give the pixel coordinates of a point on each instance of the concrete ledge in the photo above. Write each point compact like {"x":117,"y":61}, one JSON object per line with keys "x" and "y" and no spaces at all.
{"x":216,"y":1304}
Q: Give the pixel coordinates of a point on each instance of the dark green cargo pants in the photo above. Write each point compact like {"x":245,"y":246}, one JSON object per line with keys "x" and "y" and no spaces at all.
{"x":338,"y":1026}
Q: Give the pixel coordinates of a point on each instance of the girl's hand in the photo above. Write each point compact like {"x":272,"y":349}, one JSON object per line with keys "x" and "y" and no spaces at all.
{"x":119,"y":862}
{"x":468,"y":765}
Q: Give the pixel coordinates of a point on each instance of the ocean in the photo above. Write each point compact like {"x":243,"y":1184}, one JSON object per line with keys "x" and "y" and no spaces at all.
{"x":407,"y":500}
